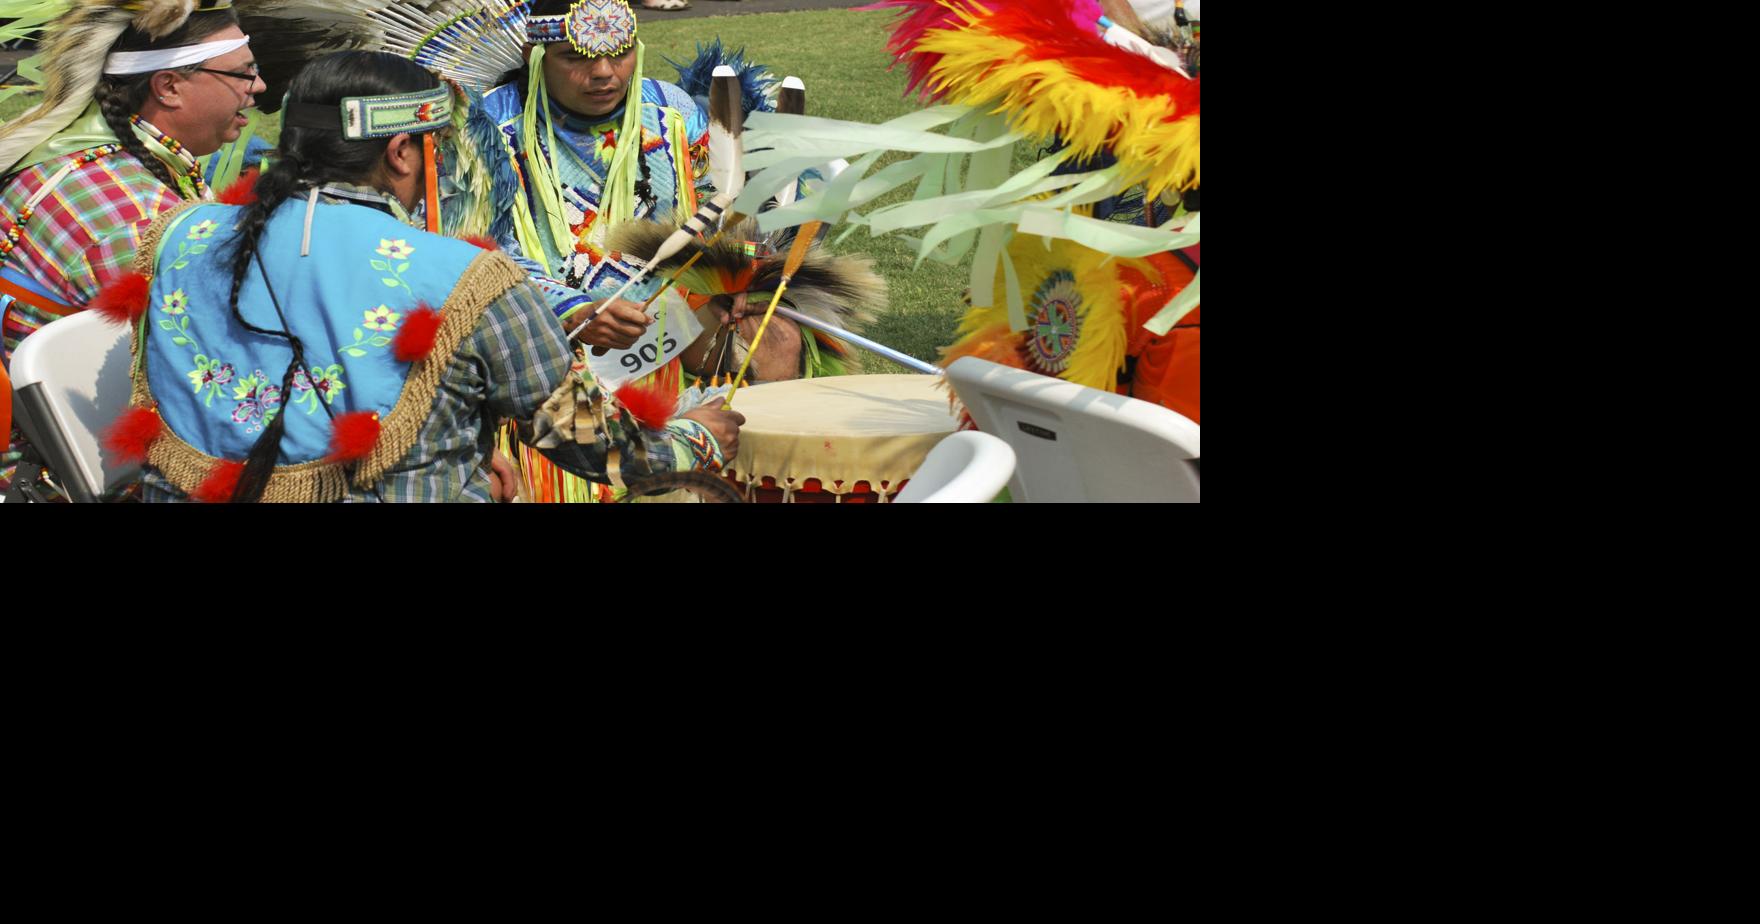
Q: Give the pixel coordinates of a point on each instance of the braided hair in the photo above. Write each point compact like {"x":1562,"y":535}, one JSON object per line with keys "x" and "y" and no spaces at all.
{"x":308,"y":158}
{"x":121,"y":96}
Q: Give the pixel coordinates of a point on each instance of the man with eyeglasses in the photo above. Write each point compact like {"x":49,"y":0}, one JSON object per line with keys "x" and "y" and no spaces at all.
{"x":138,"y":92}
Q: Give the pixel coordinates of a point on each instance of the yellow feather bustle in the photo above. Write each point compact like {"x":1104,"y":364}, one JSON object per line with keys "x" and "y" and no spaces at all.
{"x":1043,"y":98}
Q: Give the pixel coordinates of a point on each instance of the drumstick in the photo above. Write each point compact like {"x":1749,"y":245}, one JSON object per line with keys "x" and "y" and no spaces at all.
{"x":880,"y":349}
{"x":803,"y":242}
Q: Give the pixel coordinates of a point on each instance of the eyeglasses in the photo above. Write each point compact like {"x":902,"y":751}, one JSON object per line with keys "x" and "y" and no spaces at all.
{"x":250,"y":76}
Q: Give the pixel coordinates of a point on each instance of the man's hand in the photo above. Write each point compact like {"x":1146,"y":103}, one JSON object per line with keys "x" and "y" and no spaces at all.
{"x":503,"y":485}
{"x":617,"y":327}
{"x":723,"y":424}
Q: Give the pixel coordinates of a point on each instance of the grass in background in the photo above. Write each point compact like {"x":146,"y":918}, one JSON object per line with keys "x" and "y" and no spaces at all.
{"x":842,"y":57}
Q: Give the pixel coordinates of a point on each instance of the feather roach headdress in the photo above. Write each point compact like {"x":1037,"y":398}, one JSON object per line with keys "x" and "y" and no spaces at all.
{"x":74,"y":53}
{"x":835,"y":289}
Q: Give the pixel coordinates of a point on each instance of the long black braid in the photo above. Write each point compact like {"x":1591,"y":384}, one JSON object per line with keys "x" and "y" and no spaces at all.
{"x":121,"y":97}
{"x":309,"y":158}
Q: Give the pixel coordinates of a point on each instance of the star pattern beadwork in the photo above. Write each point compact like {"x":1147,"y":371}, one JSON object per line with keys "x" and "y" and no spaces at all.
{"x":1056,"y":322}
{"x":601,"y":28}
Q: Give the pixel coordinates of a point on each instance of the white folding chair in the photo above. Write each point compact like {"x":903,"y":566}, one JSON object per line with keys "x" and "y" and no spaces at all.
{"x":966,"y":468}
{"x":1079,"y":444}
{"x":70,"y":383}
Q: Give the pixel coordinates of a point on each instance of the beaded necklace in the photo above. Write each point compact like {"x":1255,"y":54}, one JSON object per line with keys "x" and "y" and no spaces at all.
{"x":192,"y":169}
{"x":15,"y":226}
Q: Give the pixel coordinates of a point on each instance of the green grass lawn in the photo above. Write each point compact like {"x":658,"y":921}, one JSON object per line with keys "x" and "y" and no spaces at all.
{"x":841,"y":55}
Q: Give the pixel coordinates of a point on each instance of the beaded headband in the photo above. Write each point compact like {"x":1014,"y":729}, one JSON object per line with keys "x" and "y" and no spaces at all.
{"x":596,"y":28}
{"x":364,"y":117}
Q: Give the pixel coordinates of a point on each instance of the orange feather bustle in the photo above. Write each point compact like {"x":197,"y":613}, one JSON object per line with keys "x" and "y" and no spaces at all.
{"x":221,"y":483}
{"x":131,"y":437}
{"x":243,"y":191}
{"x":353,"y":436}
{"x":123,"y":299}
{"x":651,"y":405}
{"x":415,"y":340}
{"x":486,"y":243}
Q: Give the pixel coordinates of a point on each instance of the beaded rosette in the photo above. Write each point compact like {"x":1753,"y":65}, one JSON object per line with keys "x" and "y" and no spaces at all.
{"x":596,"y":28}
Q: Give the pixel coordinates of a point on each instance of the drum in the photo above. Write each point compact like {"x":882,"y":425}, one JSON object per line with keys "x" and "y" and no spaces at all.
{"x":846,"y":439}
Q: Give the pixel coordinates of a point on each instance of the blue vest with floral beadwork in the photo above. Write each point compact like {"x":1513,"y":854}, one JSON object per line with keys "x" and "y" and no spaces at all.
{"x":217,"y":384}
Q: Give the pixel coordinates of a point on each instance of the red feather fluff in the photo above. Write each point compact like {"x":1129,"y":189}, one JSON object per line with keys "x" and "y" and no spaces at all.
{"x":917,"y":17}
{"x":123,"y":299}
{"x":487,"y":243}
{"x":221,"y":482}
{"x":353,"y":436}
{"x":652,"y":405}
{"x":131,"y":437}
{"x":1043,"y":27}
{"x":243,"y":191}
{"x":416,"y":338}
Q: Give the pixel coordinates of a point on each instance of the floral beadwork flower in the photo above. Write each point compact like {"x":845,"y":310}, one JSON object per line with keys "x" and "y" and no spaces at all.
{"x":322,"y":382}
{"x":211,"y":375}
{"x":201,"y":231}
{"x":175,"y":303}
{"x":258,"y":402}
{"x":382,"y":319}
{"x":396,"y":250}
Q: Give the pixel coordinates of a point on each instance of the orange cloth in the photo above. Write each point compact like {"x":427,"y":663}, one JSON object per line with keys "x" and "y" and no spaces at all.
{"x":1167,"y":367}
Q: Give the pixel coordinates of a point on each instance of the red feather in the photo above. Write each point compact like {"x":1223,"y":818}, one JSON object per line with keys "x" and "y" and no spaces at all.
{"x":131,"y":437}
{"x":1043,"y":27}
{"x":652,"y":406}
{"x":123,"y":299}
{"x":222,"y":481}
{"x":243,"y":191}
{"x":353,"y":436}
{"x":416,"y":339}
{"x":487,"y":243}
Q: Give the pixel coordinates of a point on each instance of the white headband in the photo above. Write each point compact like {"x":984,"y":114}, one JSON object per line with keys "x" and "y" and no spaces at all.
{"x":147,"y":62}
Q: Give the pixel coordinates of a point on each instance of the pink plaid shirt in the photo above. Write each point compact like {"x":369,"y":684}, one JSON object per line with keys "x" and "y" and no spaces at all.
{"x":85,"y":232}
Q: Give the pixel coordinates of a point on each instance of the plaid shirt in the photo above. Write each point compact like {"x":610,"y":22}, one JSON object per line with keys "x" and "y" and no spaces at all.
{"x":517,"y":356}
{"x":87,"y":230}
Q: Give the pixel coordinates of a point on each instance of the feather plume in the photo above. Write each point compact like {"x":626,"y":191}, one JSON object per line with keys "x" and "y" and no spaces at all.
{"x":132,"y":436}
{"x":243,"y":191}
{"x":159,"y":18}
{"x":1023,"y":59}
{"x":415,"y":340}
{"x":473,"y":43}
{"x":221,"y":483}
{"x":353,"y":436}
{"x":836,"y":289}
{"x":726,"y":124}
{"x":286,"y":35}
{"x":123,"y":299}
{"x":755,"y":80}
{"x":74,"y":53}
{"x":651,"y":405}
